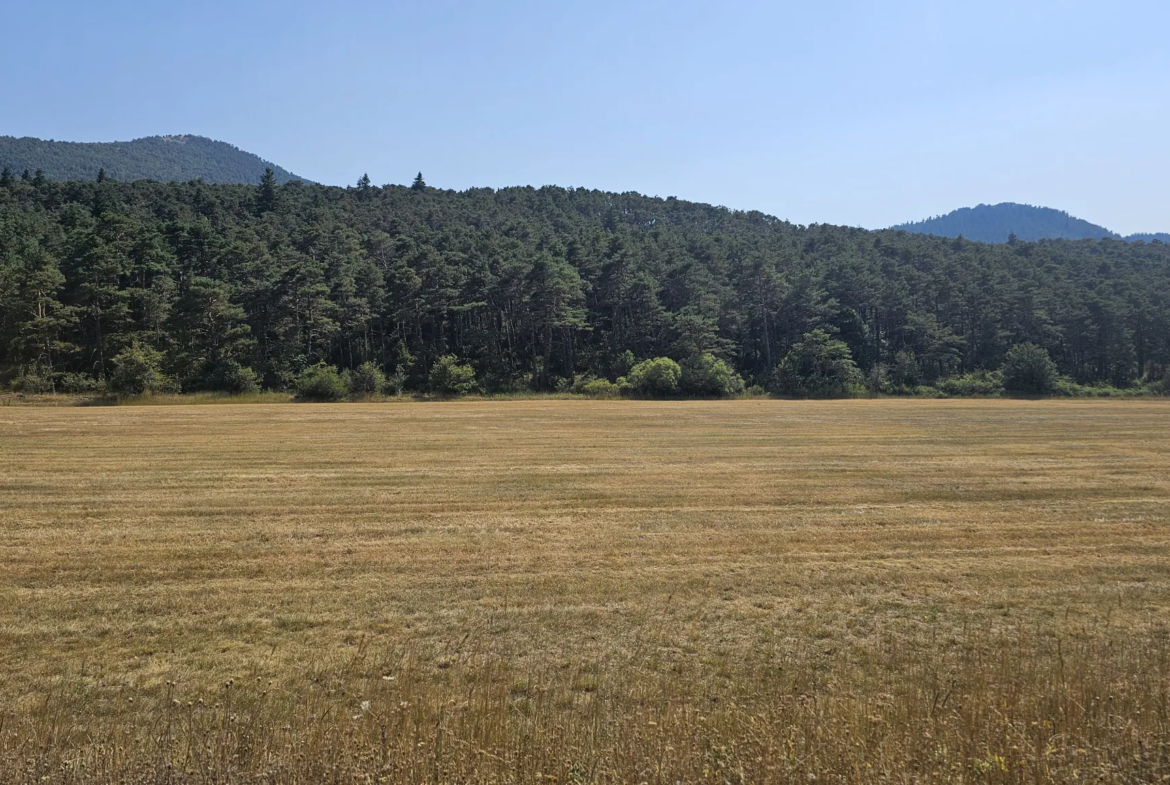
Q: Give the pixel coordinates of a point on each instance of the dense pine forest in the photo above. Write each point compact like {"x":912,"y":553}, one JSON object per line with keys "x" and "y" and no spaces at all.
{"x":190,"y":286}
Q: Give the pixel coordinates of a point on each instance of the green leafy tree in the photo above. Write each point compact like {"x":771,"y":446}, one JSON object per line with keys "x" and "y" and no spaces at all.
{"x":656,"y":378}
{"x":321,"y":383}
{"x":367,"y":379}
{"x":817,"y":366}
{"x":450,"y":377}
{"x":1029,"y":370}
{"x":708,"y":376}
{"x":137,"y":370}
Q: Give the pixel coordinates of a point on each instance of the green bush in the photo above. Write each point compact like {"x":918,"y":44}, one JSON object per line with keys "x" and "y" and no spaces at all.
{"x":78,"y":383}
{"x":1028,"y":370}
{"x":321,"y":383}
{"x":977,"y":383}
{"x":450,"y":377}
{"x":136,"y":372}
{"x":33,"y":383}
{"x":818,"y":366}
{"x":707,"y":376}
{"x":367,"y":379}
{"x":231,"y":377}
{"x":656,"y":378}
{"x":598,"y":388}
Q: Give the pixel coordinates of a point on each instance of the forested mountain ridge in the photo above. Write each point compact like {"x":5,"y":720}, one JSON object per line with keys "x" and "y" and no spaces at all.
{"x":162,"y":158}
{"x":997,"y":223}
{"x":532,"y":288}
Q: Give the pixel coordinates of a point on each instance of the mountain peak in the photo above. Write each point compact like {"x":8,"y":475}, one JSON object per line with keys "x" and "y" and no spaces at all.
{"x":997,"y":223}
{"x":179,"y":158}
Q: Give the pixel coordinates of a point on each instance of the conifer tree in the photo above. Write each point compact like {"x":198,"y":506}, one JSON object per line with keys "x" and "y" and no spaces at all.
{"x":267,"y":198}
{"x":419,"y":183}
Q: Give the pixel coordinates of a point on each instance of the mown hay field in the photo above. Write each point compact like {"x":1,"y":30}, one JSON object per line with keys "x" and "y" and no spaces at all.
{"x":575,"y":591}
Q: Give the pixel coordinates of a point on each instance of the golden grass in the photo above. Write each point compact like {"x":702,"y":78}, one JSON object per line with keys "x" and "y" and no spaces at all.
{"x":576,"y":591}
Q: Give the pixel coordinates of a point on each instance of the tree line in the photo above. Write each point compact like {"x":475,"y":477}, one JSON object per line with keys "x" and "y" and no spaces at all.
{"x":190,"y":287}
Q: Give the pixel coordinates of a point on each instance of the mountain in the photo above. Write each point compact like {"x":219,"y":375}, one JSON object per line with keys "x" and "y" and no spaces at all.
{"x":162,"y":158}
{"x":996,"y":223}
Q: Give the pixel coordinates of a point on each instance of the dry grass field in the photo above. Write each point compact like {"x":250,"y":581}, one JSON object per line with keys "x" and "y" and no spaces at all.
{"x":573,"y":591}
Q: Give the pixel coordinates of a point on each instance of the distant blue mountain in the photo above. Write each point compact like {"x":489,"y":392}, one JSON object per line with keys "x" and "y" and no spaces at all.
{"x":997,"y":223}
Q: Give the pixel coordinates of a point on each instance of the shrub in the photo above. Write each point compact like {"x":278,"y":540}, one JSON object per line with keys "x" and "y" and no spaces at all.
{"x":32,"y":383}
{"x":656,"y":378}
{"x":1028,"y":370}
{"x":706,"y":375}
{"x":450,"y":377}
{"x":231,"y":377}
{"x":396,"y":382}
{"x":598,"y":388}
{"x":136,"y":372}
{"x":78,"y":383}
{"x":818,"y":366}
{"x":321,"y":383}
{"x":367,"y":379}
{"x":984,"y":383}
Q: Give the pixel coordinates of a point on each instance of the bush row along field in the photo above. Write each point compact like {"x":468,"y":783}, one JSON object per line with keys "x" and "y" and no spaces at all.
{"x":575,"y":591}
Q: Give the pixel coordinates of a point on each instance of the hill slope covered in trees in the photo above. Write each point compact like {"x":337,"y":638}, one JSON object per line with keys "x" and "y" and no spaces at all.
{"x":162,"y":158}
{"x":996,"y":223}
{"x":204,"y":285}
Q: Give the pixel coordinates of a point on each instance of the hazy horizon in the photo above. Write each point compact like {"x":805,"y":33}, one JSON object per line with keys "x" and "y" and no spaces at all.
{"x":851,"y":112}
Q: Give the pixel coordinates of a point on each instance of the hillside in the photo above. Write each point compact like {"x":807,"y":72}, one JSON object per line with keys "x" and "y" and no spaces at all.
{"x":161,"y":158}
{"x":535,"y":288}
{"x":996,"y":224}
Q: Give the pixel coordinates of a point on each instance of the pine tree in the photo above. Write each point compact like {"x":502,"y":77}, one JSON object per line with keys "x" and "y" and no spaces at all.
{"x":101,"y":178}
{"x":419,"y":183}
{"x":267,"y":198}
{"x":5,"y":178}
{"x":364,"y":183}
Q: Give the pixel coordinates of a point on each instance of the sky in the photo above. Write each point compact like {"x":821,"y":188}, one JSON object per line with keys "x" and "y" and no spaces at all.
{"x":857,"y":112}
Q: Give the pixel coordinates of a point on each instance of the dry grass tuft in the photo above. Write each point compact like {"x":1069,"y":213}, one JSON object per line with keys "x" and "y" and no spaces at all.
{"x":569,"y":591}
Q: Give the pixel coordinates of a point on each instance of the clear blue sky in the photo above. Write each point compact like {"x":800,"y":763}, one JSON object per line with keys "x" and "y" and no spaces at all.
{"x":860,"y":112}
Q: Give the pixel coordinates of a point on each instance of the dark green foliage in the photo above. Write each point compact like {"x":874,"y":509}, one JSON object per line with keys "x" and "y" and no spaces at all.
{"x":539,"y":289}
{"x":33,"y":383}
{"x":231,"y":377}
{"x":268,"y":197}
{"x":976,"y":383}
{"x":419,"y":183}
{"x":367,"y":379}
{"x":450,"y":377}
{"x":137,"y":371}
{"x":707,"y":376}
{"x":817,"y":366}
{"x":655,"y":378}
{"x":321,"y":383}
{"x":1028,"y":370}
{"x":161,"y":158}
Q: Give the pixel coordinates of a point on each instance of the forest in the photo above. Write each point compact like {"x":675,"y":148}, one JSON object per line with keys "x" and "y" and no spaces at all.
{"x":146,"y":286}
